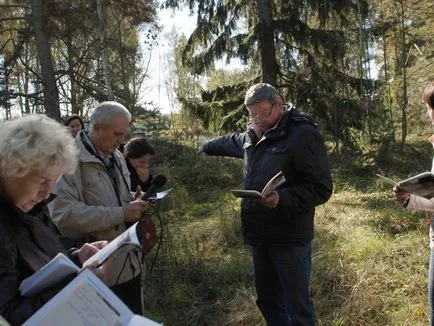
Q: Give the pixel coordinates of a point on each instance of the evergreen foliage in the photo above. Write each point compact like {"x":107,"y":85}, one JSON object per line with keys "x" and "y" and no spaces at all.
{"x":325,"y":54}
{"x":310,"y":42}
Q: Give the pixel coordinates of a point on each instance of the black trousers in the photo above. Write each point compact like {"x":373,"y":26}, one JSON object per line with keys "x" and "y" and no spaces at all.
{"x":130,"y":293}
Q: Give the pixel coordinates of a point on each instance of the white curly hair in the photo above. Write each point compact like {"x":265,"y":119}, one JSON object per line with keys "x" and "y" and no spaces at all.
{"x":33,"y":143}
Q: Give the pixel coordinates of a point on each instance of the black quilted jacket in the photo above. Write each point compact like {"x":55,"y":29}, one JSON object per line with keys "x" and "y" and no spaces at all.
{"x":295,"y":147}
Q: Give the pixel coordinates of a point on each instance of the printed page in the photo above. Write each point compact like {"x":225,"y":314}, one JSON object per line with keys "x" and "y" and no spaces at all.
{"x":273,"y":184}
{"x":55,"y":271}
{"x":138,"y":320}
{"x":84,"y":301}
{"x":127,"y":238}
{"x":161,"y":194}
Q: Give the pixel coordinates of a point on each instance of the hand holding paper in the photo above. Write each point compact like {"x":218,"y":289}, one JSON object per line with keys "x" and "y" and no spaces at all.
{"x":128,"y":238}
{"x":421,"y":185}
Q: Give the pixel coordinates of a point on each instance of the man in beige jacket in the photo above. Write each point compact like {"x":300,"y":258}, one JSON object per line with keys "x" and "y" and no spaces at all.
{"x":95,"y":202}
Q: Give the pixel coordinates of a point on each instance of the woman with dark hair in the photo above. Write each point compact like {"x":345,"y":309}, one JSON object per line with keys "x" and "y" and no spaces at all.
{"x":138,"y":153}
{"x":75,"y":124}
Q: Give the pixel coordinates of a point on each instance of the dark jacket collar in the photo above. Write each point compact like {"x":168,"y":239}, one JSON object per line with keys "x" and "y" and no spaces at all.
{"x":6,"y":205}
{"x":39,"y":207}
{"x":290,"y":116}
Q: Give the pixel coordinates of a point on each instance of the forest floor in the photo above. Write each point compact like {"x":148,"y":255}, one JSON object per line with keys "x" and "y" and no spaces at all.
{"x":370,"y":256}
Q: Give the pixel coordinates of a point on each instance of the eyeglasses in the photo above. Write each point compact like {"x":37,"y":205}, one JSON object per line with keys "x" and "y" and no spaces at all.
{"x":261,"y":114}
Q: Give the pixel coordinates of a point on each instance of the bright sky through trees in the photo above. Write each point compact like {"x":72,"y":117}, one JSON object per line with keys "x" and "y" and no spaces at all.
{"x":155,"y":87}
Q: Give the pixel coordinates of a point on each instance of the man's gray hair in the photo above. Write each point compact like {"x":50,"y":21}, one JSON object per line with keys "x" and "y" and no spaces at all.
{"x":34,"y":143}
{"x":261,"y":92}
{"x":105,"y":111}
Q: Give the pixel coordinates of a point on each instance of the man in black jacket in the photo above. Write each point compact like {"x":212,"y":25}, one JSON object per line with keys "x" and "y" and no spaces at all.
{"x":279,"y":228}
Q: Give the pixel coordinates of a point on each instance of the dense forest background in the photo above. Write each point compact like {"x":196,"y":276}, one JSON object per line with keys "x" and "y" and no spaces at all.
{"x":358,"y":67}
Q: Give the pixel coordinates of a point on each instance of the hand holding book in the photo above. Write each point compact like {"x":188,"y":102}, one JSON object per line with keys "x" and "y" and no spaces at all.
{"x":271,"y":201}
{"x":401,"y":196}
{"x":421,"y":184}
{"x":94,"y":256}
{"x":90,"y":249}
{"x":60,"y":267}
{"x":274,"y":183}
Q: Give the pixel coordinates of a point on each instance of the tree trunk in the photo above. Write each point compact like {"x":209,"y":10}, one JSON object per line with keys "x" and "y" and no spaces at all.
{"x":386,"y":71}
{"x":73,"y":84}
{"x":7,"y":101}
{"x":51,"y":102}
{"x":102,"y":17}
{"x":266,"y":42}
{"x":404,"y":77}
{"x":26,"y":79}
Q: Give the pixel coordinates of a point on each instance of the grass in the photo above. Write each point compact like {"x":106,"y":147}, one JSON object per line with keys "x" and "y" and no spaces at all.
{"x":370,"y":257}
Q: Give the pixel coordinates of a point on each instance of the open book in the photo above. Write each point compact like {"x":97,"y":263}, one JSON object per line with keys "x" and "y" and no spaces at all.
{"x":139,"y":234}
{"x":421,"y":184}
{"x":61,"y":266}
{"x":271,"y":185}
{"x":86,"y":300}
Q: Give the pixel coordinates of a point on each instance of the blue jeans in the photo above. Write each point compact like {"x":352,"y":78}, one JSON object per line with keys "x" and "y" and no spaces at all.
{"x":431,"y":288}
{"x":282,"y":277}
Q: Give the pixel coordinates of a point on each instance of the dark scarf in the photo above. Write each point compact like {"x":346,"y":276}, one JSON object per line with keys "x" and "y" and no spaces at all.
{"x":33,"y":232}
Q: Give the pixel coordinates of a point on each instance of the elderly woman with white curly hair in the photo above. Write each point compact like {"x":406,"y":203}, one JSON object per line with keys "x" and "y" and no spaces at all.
{"x":35,"y":151}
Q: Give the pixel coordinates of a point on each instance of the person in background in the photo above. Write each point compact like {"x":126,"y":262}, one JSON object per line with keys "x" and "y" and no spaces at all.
{"x":138,"y":153}
{"x":279,"y":228}
{"x":96,"y":203}
{"x":35,"y":151}
{"x":414,"y":202}
{"x":74,"y":124}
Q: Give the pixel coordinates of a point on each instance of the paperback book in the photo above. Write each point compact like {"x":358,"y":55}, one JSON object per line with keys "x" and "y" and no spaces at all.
{"x":274,"y":183}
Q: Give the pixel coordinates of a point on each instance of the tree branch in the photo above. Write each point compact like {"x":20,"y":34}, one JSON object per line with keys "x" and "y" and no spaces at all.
{"x":16,"y":94}
{"x":12,"y":18}
{"x":14,"y":6}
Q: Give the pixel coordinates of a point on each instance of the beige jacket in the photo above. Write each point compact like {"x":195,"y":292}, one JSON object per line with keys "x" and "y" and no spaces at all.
{"x":422,"y":204}
{"x":87,"y":207}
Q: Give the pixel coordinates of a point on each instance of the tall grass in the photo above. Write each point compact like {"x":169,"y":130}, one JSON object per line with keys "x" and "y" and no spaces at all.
{"x":370,"y":256}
